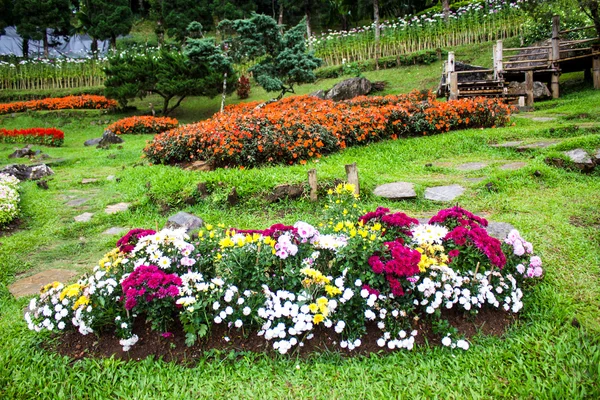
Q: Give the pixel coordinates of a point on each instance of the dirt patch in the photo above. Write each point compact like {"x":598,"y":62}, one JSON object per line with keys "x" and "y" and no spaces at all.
{"x":14,"y":226}
{"x":174,"y":349}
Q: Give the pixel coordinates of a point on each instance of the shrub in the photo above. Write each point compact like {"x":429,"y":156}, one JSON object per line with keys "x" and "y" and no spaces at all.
{"x":144,"y":124}
{"x":44,"y":136}
{"x":283,"y":282}
{"x":59,"y":103}
{"x":298,"y":128}
{"x":243,"y":89}
{"x":9,"y":198}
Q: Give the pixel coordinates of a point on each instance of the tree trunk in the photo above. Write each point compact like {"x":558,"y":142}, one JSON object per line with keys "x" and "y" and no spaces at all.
{"x":45,"y":41}
{"x":308,"y":30}
{"x":446,"y":9}
{"x":25,"y":48}
{"x":224,"y":91}
{"x":594,"y":7}
{"x":113,"y":42}
{"x":280,"y":19}
{"x":94,"y":47}
{"x":377,"y":31}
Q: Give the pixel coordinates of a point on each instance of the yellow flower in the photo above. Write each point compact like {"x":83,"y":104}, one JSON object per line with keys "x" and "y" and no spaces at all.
{"x":322,"y":301}
{"x":372,"y":237}
{"x":270,"y":241}
{"x":318,"y":318}
{"x":209,"y":227}
{"x":212,"y":234}
{"x":81,"y":301}
{"x":332,"y":290}
{"x":70,"y":291}
{"x":338,"y":227}
{"x":226,"y":242}
{"x":345,"y":212}
{"x":377,"y":227}
{"x":330,"y":192}
{"x":313,"y":308}
{"x":49,"y":286}
{"x":352,"y":232}
{"x":218,"y":256}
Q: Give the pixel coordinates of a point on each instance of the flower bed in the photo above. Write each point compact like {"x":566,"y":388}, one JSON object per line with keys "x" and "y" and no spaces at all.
{"x":298,"y":128}
{"x":9,"y":198}
{"x":380,"y":269}
{"x":44,"y":136}
{"x":144,"y":124}
{"x":59,"y":103}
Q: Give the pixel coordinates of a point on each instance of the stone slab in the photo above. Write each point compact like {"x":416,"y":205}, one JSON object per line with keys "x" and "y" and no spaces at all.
{"x":77,"y":202}
{"x":499,"y":230}
{"x":33,"y":284}
{"x":444,"y":193}
{"x":579,"y":156}
{"x":513,"y":166}
{"x":88,"y":180}
{"x":396,"y":191}
{"x":115,"y":230}
{"x":543,"y":119}
{"x":85,"y":217}
{"x":475,"y":180}
{"x":110,"y":178}
{"x":538,"y":145}
{"x":472,"y":166}
{"x":184,"y":220}
{"x":508,"y":144}
{"x":115,"y":208}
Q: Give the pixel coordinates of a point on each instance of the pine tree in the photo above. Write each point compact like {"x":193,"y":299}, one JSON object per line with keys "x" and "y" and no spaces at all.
{"x":108,"y":19}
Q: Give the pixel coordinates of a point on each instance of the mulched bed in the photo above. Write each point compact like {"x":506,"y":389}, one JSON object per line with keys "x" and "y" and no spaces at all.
{"x":173,"y":349}
{"x":11,"y":227}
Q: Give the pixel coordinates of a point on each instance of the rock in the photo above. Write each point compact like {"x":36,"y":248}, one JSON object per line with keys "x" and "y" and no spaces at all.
{"x":513,"y":166}
{"x":108,"y":138}
{"x":110,"y":178}
{"x":475,"y":180}
{"x":396,"y":191}
{"x":516,"y":143}
{"x":42,"y":184}
{"x":24,"y":172}
{"x":349,"y":89}
{"x":22,"y":153}
{"x":33,"y":284}
{"x":116,"y":230}
{"x":543,"y":119}
{"x":115,"y":208}
{"x":77,"y":202}
{"x":92,"y":142}
{"x":285,"y":191}
{"x":319,"y":94}
{"x":581,"y":159}
{"x":184,"y":220}
{"x":197,"y":166}
{"x":85,"y":181}
{"x":499,"y":230}
{"x":232,"y":197}
{"x":538,"y":145}
{"x":597,"y":156}
{"x":472,"y":166}
{"x":85,"y":217}
{"x":444,"y":193}
{"x":540,"y":90}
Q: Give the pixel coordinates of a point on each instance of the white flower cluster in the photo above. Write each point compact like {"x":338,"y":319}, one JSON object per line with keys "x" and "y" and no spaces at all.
{"x":9,"y":198}
{"x":165,"y":249}
{"x":129,"y":342}
{"x":429,"y":234}
{"x":461,"y":343}
{"x":330,"y":242}
{"x":233,"y":307}
{"x":284,"y":246}
{"x":444,"y":287}
{"x":100,"y":285}
{"x":305,"y":231}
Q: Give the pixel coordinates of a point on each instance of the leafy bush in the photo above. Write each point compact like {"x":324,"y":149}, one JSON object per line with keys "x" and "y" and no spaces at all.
{"x":59,"y":103}
{"x":380,"y":268}
{"x":243,"y":89}
{"x":9,"y":198}
{"x":299,"y":128}
{"x":144,"y":124}
{"x":45,"y":136}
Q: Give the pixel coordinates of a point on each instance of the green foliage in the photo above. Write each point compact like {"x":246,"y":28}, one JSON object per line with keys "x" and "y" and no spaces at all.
{"x":108,"y":19}
{"x":284,"y":61}
{"x":34,"y":16}
{"x":174,"y":16}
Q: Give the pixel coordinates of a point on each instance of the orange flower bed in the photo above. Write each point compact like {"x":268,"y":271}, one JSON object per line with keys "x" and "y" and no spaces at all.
{"x":296,"y":129}
{"x":59,"y":103}
{"x":144,"y":124}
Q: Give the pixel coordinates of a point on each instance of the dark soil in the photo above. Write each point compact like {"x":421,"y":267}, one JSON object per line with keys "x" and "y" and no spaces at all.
{"x":174,"y":349}
{"x":12,"y":227}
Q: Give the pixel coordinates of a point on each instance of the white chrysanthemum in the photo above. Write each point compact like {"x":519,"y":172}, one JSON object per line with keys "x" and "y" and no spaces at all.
{"x":430,"y":234}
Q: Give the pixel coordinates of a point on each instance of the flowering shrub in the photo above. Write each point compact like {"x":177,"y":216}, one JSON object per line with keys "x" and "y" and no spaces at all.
{"x":144,"y":124}
{"x":243,"y":89}
{"x":45,"y":136}
{"x":9,"y":198}
{"x":59,"y":103}
{"x":296,"y":129}
{"x":281,"y":283}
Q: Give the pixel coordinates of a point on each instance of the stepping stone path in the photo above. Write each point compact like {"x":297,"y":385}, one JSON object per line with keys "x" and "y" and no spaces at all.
{"x":88,"y":180}
{"x":520,"y":146}
{"x":472,"y":166}
{"x":77,"y":202}
{"x":115,"y":208}
{"x":475,"y":180}
{"x":85,"y":217}
{"x":543,"y":119}
{"x":33,"y":284}
{"x":184,"y":220}
{"x":110,"y":178}
{"x":580,"y":156}
{"x":499,"y":230}
{"x":508,"y":144}
{"x":396,"y":191}
{"x":513,"y":166}
{"x":116,"y":230}
{"x":444,"y":193}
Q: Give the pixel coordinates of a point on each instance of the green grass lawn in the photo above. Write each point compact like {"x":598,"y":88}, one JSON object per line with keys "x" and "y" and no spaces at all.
{"x":552,"y":351}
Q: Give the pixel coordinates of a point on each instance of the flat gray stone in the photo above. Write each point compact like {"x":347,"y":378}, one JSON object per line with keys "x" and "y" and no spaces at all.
{"x":499,"y":230}
{"x":85,"y":181}
{"x":597,"y":155}
{"x":538,"y":145}
{"x":33,"y":284}
{"x":396,"y":191}
{"x":85,"y":217}
{"x":115,"y":230}
{"x":508,"y":144}
{"x":513,"y":166}
{"x":475,"y":180}
{"x":444,"y":193}
{"x":110,"y":178}
{"x":77,"y":202}
{"x":115,"y":208}
{"x":184,"y":220}
{"x":580,"y":156}
{"x":472,"y":166}
{"x":92,"y":142}
{"x":543,"y":119}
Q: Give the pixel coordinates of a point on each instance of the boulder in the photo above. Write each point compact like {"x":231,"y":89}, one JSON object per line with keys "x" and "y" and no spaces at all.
{"x":396,"y":191}
{"x":285,"y":191}
{"x":540,"y":90}
{"x":319,"y":94}
{"x":24,"y":152}
{"x":349,"y":89}
{"x":184,"y":220}
{"x":92,"y":142}
{"x":197,"y":165}
{"x":25,"y":172}
{"x":108,"y":138}
{"x":581,"y":159}
{"x":499,"y":230}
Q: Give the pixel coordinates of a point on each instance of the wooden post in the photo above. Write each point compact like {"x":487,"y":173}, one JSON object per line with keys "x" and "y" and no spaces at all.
{"x":312,"y":182}
{"x":529,"y":88}
{"x":450,"y":68}
{"x":498,"y":64}
{"x":453,"y":86}
{"x":555,"y":57}
{"x":352,"y":177}
{"x":596,"y":66}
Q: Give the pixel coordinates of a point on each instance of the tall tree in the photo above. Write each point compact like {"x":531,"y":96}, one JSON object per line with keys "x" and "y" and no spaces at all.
{"x":106,"y":19}
{"x":592,"y":9}
{"x":34,"y":17}
{"x":377,"y":31}
{"x":173,"y":16}
{"x":446,"y":9}
{"x":6,"y":9}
